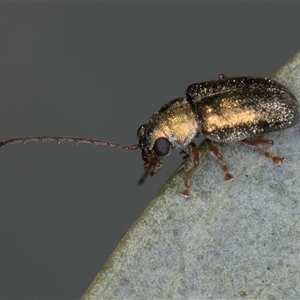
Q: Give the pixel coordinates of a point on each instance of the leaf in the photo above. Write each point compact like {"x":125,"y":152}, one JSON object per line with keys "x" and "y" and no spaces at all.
{"x":229,"y":240}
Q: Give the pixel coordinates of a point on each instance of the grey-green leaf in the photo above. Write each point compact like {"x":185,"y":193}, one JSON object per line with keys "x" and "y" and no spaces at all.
{"x":237,"y":239}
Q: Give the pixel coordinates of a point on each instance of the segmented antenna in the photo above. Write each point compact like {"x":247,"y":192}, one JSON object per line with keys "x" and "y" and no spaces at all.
{"x":59,"y":139}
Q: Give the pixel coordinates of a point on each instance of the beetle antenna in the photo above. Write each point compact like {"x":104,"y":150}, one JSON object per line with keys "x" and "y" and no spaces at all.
{"x":59,"y":139}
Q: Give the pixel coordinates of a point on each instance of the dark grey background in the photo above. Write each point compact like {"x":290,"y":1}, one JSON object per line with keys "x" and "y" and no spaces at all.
{"x":100,"y":70}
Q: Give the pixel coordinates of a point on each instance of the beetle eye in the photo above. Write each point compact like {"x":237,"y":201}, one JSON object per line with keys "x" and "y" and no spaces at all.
{"x":161,"y":146}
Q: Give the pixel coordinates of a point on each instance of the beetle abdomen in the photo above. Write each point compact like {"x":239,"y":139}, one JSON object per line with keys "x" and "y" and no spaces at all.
{"x":249,"y":108}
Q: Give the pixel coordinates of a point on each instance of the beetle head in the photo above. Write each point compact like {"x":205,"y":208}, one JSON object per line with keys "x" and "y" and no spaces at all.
{"x":153,"y":149}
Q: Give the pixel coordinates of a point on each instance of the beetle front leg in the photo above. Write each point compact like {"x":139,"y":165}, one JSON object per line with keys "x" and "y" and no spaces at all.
{"x":261,"y":146}
{"x":218,"y":155}
{"x":195,"y":157}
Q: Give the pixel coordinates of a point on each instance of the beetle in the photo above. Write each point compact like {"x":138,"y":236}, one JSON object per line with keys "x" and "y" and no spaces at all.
{"x":222,"y":110}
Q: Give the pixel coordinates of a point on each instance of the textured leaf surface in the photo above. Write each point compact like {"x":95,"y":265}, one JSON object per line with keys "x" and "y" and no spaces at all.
{"x":237,"y":239}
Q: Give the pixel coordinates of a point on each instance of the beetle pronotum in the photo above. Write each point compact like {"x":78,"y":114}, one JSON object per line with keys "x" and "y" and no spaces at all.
{"x":223,"y":110}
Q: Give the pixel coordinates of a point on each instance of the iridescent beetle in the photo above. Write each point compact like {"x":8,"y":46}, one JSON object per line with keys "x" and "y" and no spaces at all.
{"x":223,"y":110}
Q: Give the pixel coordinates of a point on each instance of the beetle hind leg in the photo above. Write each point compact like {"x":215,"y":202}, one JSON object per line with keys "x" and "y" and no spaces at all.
{"x":261,"y":146}
{"x":218,"y":155}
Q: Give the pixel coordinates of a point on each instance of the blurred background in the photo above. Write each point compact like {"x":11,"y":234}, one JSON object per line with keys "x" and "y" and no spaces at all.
{"x":100,"y":70}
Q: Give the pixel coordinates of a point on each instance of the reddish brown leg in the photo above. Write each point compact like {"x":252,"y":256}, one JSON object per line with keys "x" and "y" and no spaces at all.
{"x":218,"y":155}
{"x":195,"y":157}
{"x":261,"y":146}
{"x":186,"y":155}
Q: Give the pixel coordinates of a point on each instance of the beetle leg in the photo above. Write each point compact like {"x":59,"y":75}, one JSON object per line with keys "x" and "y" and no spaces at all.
{"x":218,"y":155}
{"x":195,"y":157}
{"x":261,"y":146}
{"x":186,"y":155}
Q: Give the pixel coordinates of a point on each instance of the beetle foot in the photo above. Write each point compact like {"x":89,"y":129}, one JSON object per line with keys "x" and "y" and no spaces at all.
{"x":185,"y":193}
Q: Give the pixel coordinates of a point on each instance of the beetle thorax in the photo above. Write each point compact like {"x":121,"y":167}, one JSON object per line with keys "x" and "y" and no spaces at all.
{"x":175,"y":121}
